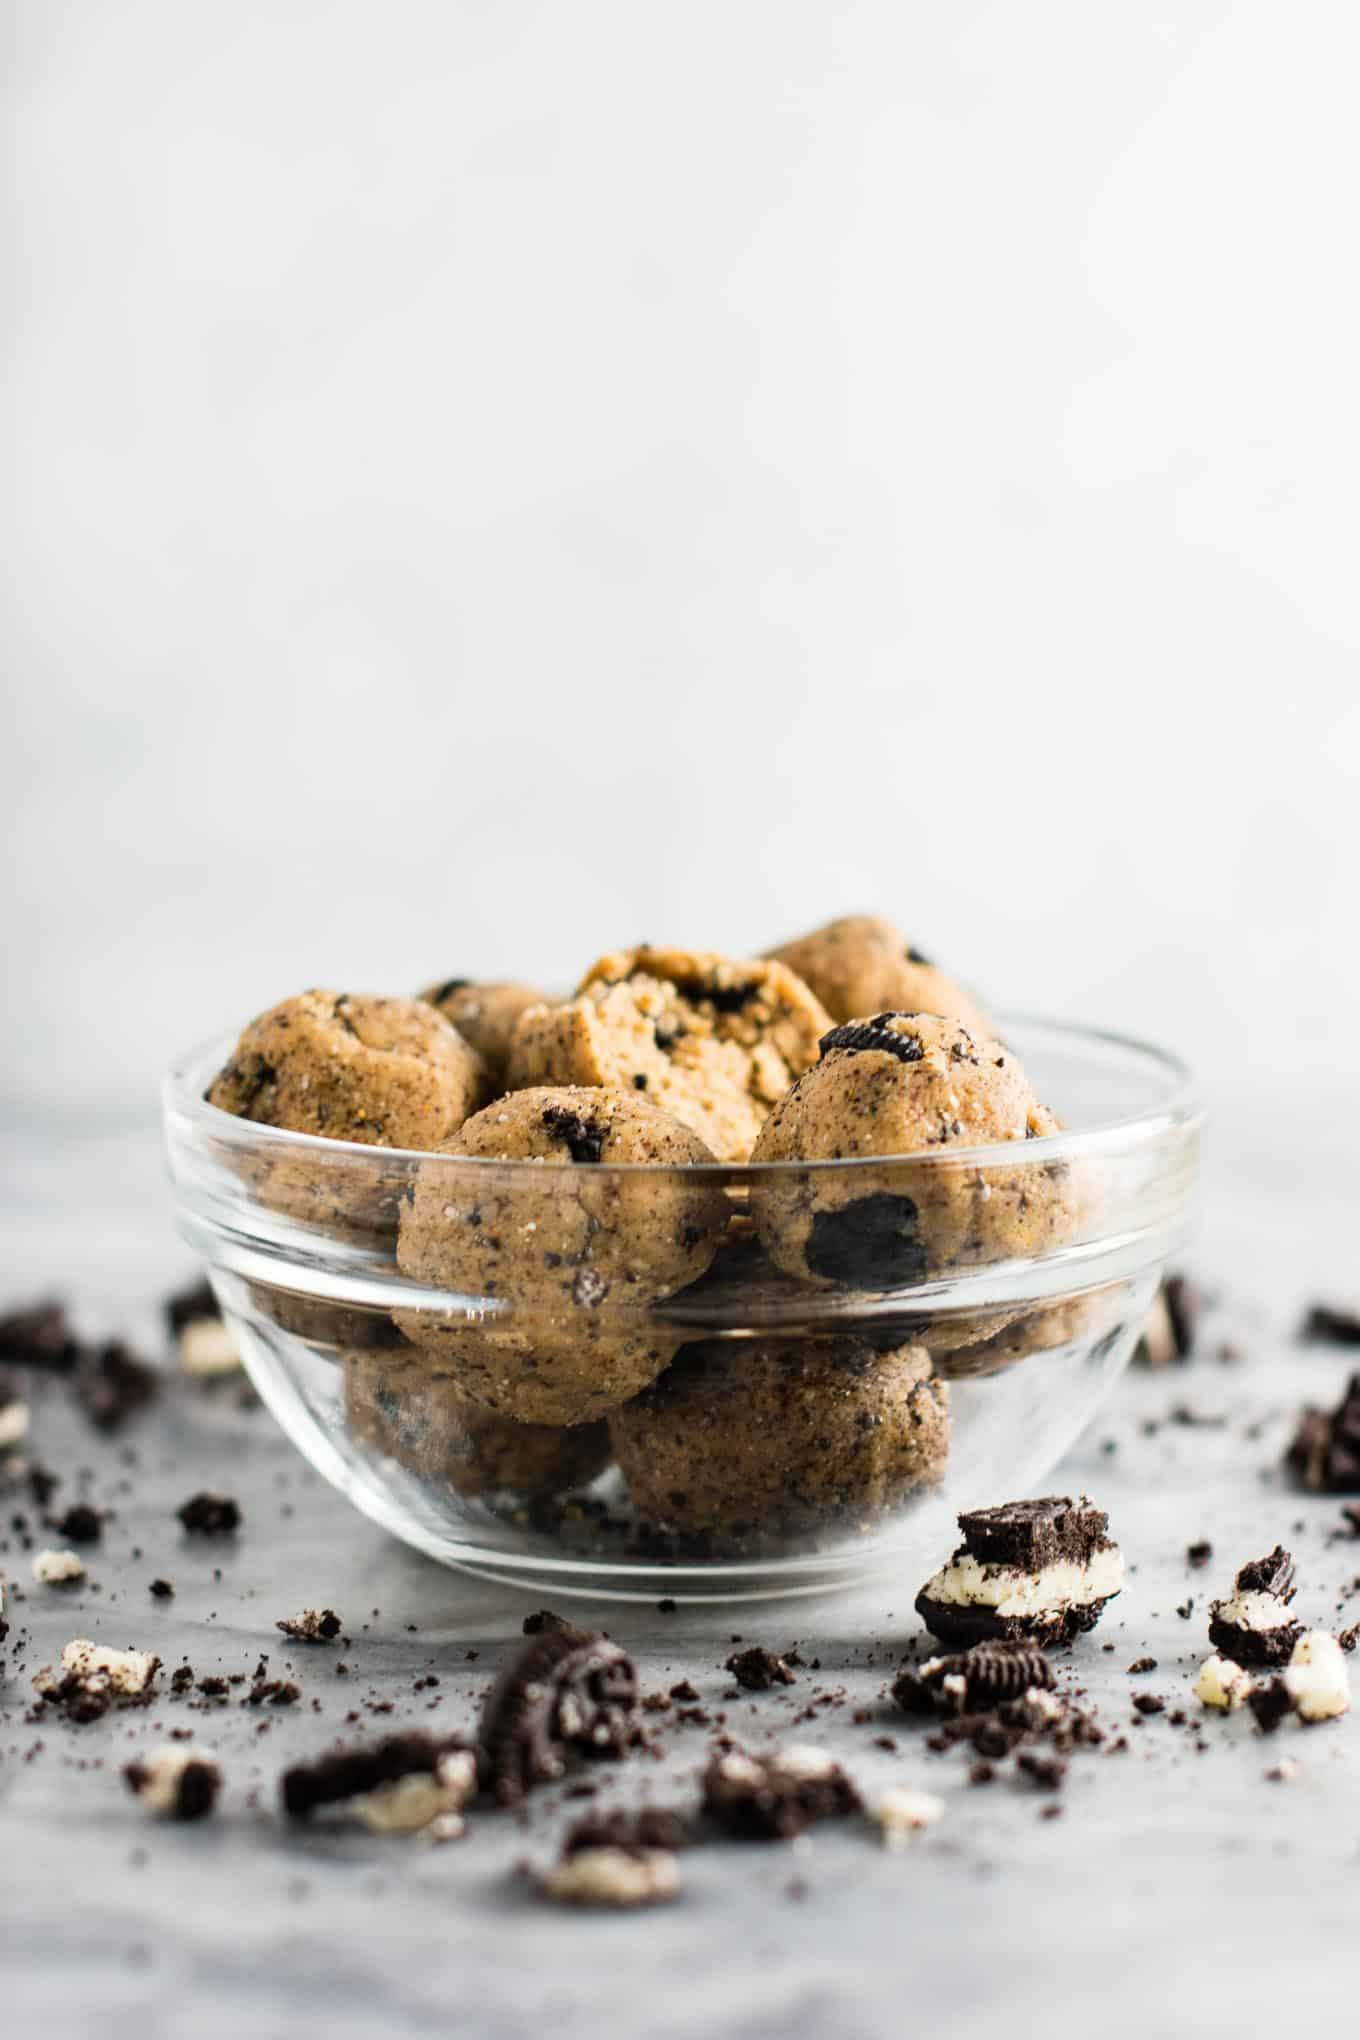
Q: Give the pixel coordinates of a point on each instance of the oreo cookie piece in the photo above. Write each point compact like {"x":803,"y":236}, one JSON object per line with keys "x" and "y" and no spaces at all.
{"x":972,"y":1680}
{"x":398,"y":1785}
{"x":879,"y":1036}
{"x":775,"y":1797}
{"x":175,"y":1782}
{"x":38,"y":1336}
{"x":1034,"y":1571}
{"x":1325,"y":1453}
{"x":1252,"y":1626}
{"x":565,"y":1693}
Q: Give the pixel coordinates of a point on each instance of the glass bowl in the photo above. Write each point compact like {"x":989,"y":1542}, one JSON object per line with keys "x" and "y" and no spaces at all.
{"x":710,"y":1383}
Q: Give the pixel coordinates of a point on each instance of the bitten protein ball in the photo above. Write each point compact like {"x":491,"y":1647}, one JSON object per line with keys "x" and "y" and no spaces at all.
{"x":385,"y":1072}
{"x":863,"y":964}
{"x":774,"y":1435}
{"x":485,"y":1015}
{"x":906,"y":1084}
{"x":712,"y":1040}
{"x":423,"y":1421}
{"x":578,"y":1252}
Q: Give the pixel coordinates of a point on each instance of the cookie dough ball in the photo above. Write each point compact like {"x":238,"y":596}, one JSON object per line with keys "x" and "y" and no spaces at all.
{"x":905,"y":1084}
{"x":778,"y":1435}
{"x":485,"y":1015}
{"x":578,"y":1248}
{"x":714,"y":1041}
{"x":388,"y":1073}
{"x":384,"y":1072}
{"x":394,"y":1407}
{"x":863,"y":964}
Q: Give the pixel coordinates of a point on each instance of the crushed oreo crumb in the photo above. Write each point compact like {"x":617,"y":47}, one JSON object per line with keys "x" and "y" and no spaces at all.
{"x":758,"y":1669}
{"x":313,"y":1625}
{"x":205,"y":1515}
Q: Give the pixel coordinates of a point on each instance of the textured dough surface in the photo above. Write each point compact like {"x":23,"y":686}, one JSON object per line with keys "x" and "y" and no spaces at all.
{"x":384,"y":1072}
{"x":485,"y":1015}
{"x":714,"y":1040}
{"x":773,"y":1434}
{"x":395,"y":1406}
{"x":863,"y":964}
{"x":579,"y":1251}
{"x":905,"y":1084}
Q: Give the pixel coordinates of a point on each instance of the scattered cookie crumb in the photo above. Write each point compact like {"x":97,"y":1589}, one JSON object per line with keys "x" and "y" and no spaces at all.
{"x":313,"y":1625}
{"x":206,"y":1515}
{"x":613,"y":1877}
{"x":175,"y":1782}
{"x":902,"y":1812}
{"x":58,"y":1568}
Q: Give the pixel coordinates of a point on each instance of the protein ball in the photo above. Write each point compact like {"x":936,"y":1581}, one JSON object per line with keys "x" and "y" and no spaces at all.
{"x":384,"y":1072}
{"x":428,"y":1426}
{"x":713,"y":1040}
{"x":485,"y":1015}
{"x":863,"y":964}
{"x":780,"y":1434}
{"x":578,"y":1249}
{"x":905,"y":1084}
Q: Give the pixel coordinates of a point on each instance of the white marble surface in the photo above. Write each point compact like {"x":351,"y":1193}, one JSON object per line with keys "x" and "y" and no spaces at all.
{"x":1176,"y":1888}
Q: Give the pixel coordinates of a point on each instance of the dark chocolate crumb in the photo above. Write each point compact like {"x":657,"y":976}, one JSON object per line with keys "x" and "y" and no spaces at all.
{"x":1270,"y":1704}
{"x":758,"y":1669}
{"x":1327,"y":1325}
{"x":190,"y":1307}
{"x":205,"y":1515}
{"x":81,"y":1524}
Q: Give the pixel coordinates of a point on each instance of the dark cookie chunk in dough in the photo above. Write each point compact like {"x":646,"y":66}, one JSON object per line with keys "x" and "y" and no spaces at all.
{"x":565,"y":1693}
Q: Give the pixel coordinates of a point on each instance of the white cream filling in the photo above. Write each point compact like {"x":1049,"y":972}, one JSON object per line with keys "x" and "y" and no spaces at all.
{"x":614,"y":1877}
{"x":207,"y":1346}
{"x":901,"y":1813}
{"x":408,"y":1804}
{"x":1316,"y":1677}
{"x":124,"y":1671}
{"x":1252,"y":1611}
{"x":56,"y":1568}
{"x":13,"y":1424}
{"x":1007,"y":1590}
{"x":158,"y":1788}
{"x":1222,"y":1684}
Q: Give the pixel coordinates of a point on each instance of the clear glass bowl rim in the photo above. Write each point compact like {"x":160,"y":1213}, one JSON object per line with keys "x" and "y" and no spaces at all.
{"x":1181,"y":1109}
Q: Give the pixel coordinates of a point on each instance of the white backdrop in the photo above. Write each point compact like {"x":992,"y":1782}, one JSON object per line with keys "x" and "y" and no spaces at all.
{"x":500,"y":480}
